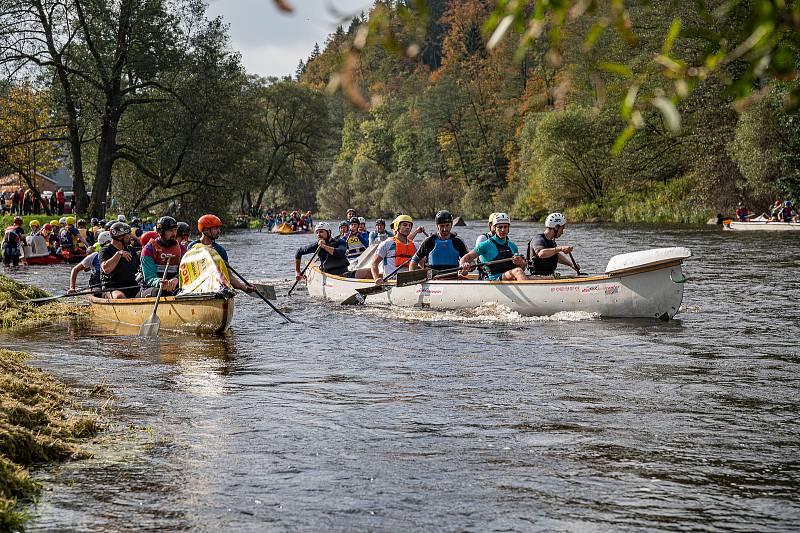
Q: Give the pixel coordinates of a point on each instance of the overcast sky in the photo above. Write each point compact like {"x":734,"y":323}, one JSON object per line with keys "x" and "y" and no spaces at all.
{"x":272,"y":42}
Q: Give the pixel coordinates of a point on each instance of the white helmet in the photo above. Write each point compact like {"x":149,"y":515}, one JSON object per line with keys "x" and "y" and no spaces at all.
{"x":362,"y":220}
{"x":554,"y":220}
{"x":121,"y":218}
{"x":62,"y":221}
{"x":325,"y":226}
{"x":104,"y":238}
{"x":501,"y":218}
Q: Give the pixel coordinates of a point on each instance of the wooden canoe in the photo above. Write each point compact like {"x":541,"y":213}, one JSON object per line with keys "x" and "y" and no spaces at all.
{"x":202,"y":314}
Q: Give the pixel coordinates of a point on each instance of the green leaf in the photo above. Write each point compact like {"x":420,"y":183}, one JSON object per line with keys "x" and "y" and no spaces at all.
{"x":594,"y":33}
{"x":622,"y":139}
{"x":628,"y":102}
{"x":672,"y":34}
{"x":616,"y":68}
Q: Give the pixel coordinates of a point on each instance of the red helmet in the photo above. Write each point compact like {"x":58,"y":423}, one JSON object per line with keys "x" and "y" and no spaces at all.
{"x":147,"y":237}
{"x":18,"y":221}
{"x":207,"y":222}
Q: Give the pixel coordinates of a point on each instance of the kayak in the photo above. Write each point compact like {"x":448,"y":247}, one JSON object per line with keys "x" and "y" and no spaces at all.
{"x":48,"y":259}
{"x":646,"y":284}
{"x":286,"y":229}
{"x":202,"y":314}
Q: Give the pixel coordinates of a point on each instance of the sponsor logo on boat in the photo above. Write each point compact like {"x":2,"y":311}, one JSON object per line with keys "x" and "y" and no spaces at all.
{"x":565,"y":289}
{"x":426,"y":290}
{"x":612,"y":289}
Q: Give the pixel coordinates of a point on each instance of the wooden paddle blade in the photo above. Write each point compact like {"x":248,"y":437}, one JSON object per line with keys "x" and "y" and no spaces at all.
{"x":355,"y":299}
{"x":412,"y":277}
{"x":150,"y":327}
{"x":267,"y":291}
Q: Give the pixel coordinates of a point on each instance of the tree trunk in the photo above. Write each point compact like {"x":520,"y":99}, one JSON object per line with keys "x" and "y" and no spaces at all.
{"x":105,"y":162}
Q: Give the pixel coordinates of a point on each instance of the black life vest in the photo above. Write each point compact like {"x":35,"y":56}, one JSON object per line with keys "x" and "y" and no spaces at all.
{"x":503,"y":252}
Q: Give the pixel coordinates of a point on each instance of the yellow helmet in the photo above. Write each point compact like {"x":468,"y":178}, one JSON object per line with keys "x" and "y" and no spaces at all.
{"x":54,"y":223}
{"x":34,"y":223}
{"x":70,"y":221}
{"x":401,"y":218}
{"x":491,"y":219}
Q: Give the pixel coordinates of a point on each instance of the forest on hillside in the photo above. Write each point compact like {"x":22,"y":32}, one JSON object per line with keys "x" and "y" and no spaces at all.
{"x":623,"y":111}
{"x":477,"y":130}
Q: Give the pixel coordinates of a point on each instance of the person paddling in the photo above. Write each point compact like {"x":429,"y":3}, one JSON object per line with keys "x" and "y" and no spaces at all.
{"x":332,"y":252}
{"x":442,"y":250}
{"x":119,"y":263}
{"x":395,"y":253}
{"x":161,"y":257}
{"x":90,"y":262}
{"x":381,"y":233}
{"x":356,"y":241}
{"x":496,"y":248}
{"x":210,"y":228}
{"x":544,"y":254}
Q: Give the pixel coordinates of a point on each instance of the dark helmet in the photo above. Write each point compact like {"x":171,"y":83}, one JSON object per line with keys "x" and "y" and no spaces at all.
{"x":443,"y":217}
{"x":135,"y":222}
{"x":119,"y":229}
{"x":380,"y":221}
{"x":94,"y":221}
{"x":81,"y":222}
{"x":184,"y":229}
{"x":354,"y":220}
{"x":165,"y":223}
{"x":107,"y":225}
{"x":103,"y":222}
{"x":343,"y":223}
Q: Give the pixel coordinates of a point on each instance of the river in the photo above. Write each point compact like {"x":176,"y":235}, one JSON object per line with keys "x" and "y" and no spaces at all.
{"x":377,"y":419}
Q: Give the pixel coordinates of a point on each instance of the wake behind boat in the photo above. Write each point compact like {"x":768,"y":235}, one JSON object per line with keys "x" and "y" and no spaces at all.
{"x":646,"y":284}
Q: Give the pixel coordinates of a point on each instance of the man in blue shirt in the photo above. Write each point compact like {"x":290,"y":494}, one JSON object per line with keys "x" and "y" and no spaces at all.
{"x":332,"y":252}
{"x":498,"y":247}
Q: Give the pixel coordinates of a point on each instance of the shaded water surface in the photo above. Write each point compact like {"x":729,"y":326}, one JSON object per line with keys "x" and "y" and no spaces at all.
{"x":382,"y":419}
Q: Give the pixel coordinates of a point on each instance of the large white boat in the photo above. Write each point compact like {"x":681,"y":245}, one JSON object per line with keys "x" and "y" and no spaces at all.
{"x":760,"y":224}
{"x":646,"y":284}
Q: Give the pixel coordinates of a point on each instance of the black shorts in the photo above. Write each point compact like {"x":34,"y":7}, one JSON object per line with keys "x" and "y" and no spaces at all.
{"x":129,"y":293}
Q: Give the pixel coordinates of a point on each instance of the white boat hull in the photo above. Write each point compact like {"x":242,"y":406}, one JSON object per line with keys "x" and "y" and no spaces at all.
{"x":654,"y":291}
{"x":757,"y":225}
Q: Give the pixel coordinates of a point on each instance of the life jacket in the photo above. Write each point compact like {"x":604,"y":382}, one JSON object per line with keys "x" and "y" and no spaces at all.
{"x":67,"y":239}
{"x":333,"y":263}
{"x":444,"y":254}
{"x":160,"y":251}
{"x":11,"y":240}
{"x":503,"y":252}
{"x":403,"y":252}
{"x":355,"y":246}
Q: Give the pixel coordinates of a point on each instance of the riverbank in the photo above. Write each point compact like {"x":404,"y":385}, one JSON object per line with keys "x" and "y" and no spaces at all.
{"x":40,"y":418}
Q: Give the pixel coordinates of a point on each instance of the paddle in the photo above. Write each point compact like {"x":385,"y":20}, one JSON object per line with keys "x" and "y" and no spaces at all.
{"x":574,"y":264}
{"x":360,"y":296}
{"x":38,"y":301}
{"x":415,"y":277}
{"x":303,"y":273}
{"x":260,"y":295}
{"x":150,"y":327}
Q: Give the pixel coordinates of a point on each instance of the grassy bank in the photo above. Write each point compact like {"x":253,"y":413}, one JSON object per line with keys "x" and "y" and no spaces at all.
{"x":675,"y":202}
{"x":40,"y":421}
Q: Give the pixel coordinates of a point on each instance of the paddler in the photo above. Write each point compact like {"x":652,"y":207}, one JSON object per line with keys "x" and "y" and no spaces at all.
{"x":90,"y":262}
{"x":332,"y":252}
{"x":356,"y":241}
{"x":496,"y":248}
{"x":395,"y":254}
{"x":13,"y":238}
{"x":488,"y":235}
{"x":443,"y":249}
{"x":544,"y":252}
{"x":34,"y":227}
{"x":210,"y":228}
{"x":119,"y":264}
{"x":381,"y":233}
{"x":159,"y":256}
{"x":184,"y":234}
{"x":70,"y":239}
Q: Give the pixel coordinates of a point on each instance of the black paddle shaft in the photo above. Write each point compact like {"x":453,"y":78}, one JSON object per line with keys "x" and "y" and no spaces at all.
{"x":303,"y":273}
{"x":574,"y":264}
{"x":260,"y":295}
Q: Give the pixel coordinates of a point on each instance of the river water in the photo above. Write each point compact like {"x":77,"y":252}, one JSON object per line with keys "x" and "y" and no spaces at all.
{"x":377,"y":419}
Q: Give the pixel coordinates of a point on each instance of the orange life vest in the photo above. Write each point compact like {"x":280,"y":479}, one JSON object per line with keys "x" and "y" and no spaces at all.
{"x":403,"y":252}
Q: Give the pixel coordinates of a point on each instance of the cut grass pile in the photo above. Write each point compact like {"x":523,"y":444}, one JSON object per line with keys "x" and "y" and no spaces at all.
{"x":15,"y":313}
{"x":39,"y":423}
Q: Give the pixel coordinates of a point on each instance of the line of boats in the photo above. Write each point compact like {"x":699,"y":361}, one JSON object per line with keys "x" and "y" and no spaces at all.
{"x":646,"y":284}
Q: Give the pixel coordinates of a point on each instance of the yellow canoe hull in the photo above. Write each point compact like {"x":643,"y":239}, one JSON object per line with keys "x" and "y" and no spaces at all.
{"x":206,"y":314}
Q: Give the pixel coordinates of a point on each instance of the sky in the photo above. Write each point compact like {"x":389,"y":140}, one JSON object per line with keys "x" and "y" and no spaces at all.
{"x":272,"y":42}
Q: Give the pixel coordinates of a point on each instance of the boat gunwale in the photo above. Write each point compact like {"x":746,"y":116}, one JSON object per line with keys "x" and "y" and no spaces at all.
{"x":178,"y":299}
{"x":583,"y":279}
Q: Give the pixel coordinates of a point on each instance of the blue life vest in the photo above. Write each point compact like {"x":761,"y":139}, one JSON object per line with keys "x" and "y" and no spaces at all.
{"x":444,"y":254}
